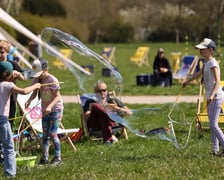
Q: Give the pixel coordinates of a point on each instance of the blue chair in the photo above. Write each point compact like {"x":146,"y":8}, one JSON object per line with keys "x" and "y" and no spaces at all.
{"x":188,"y":67}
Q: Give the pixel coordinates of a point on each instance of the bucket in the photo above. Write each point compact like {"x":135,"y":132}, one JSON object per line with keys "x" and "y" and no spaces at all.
{"x":26,"y":161}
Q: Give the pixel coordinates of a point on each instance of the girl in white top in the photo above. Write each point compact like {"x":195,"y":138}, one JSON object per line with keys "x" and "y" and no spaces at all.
{"x":210,"y":74}
{"x":6,"y":89}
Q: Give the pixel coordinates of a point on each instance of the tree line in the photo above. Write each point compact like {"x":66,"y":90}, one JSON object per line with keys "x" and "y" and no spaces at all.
{"x":118,"y":21}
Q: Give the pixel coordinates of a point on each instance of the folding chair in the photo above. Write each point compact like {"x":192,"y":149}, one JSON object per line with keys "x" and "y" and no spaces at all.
{"x":188,"y":67}
{"x":96,"y":133}
{"x":108,"y":53}
{"x":141,"y":56}
{"x":176,"y":61}
{"x":32,"y":121}
{"x":202,"y":115}
{"x":67,"y":53}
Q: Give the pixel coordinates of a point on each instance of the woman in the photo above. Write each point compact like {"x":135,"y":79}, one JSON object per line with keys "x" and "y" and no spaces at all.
{"x":162,"y":70}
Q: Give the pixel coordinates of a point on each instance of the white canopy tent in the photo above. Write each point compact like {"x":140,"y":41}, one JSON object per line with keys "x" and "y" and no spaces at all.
{"x":7,"y":19}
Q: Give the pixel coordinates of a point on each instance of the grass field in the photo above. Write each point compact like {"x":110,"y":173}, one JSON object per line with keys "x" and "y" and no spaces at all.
{"x":135,"y":158}
{"x":128,"y":69}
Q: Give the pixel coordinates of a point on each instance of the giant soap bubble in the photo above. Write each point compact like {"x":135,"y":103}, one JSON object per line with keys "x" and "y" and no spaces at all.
{"x":148,"y":122}
{"x":97,"y":65}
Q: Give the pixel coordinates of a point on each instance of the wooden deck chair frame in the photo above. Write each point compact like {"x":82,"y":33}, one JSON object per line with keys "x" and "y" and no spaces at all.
{"x":32,"y":120}
{"x":108,"y":53}
{"x":96,"y":134}
{"x":202,"y":115}
{"x":190,"y":70}
{"x":141,"y":56}
{"x":67,"y":53}
{"x":176,"y":56}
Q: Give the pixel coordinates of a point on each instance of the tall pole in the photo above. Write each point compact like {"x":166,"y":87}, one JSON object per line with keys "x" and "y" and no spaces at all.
{"x":219,"y":11}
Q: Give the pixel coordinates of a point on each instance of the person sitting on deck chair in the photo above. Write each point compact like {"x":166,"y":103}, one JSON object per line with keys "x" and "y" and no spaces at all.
{"x":162,"y":70}
{"x":95,"y":115}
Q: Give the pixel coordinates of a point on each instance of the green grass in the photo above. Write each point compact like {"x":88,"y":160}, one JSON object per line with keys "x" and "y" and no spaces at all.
{"x":135,"y":158}
{"x":128,"y":70}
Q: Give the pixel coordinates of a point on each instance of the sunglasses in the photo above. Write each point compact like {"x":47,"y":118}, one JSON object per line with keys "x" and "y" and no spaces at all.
{"x":101,"y":90}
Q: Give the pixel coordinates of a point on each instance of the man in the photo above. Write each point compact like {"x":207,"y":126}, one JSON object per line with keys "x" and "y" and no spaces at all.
{"x":95,"y":112}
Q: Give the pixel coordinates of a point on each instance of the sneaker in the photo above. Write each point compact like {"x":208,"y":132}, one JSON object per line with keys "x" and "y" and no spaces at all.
{"x":43,"y":162}
{"x":1,"y":160}
{"x":221,"y":154}
{"x":55,"y":161}
{"x":114,"y":139}
{"x":110,"y":142}
{"x":215,"y":153}
{"x":10,"y":176}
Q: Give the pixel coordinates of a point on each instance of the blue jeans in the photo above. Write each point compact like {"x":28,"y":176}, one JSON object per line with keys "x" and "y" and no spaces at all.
{"x":8,"y":146}
{"x":50,"y":124}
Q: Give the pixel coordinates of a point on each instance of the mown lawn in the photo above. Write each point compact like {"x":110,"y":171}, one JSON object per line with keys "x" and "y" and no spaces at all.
{"x":135,"y":158}
{"x":127,"y":69}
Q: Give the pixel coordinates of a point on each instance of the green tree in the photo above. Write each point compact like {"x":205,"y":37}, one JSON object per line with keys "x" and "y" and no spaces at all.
{"x":44,"y":7}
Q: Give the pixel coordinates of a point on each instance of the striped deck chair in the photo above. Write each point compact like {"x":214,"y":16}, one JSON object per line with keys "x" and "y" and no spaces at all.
{"x":202,"y":115}
{"x":67,"y":53}
{"x":141,"y":56}
{"x":188,"y":67}
{"x":32,"y":120}
{"x":108,"y":53}
{"x":96,"y":133}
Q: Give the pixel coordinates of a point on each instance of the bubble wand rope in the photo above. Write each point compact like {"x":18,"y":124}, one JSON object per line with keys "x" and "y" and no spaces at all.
{"x":199,"y":126}
{"x":48,"y":84}
{"x":171,"y":121}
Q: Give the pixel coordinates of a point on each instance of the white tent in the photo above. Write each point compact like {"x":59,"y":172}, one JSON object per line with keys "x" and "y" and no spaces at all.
{"x":7,"y":19}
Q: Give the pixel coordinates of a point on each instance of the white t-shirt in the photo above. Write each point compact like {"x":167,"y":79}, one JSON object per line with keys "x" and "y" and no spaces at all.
{"x":209,"y":79}
{"x":5,"y":91}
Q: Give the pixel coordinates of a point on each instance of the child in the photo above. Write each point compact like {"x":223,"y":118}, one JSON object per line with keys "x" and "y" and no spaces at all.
{"x":16,"y":74}
{"x":5,"y":47}
{"x":6,"y":89}
{"x":211,"y":79}
{"x":51,"y":107}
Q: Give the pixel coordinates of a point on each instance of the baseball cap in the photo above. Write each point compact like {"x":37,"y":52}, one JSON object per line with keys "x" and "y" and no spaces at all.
{"x":6,"y":66}
{"x":160,"y":50}
{"x":206,"y":43}
{"x":38,"y":66}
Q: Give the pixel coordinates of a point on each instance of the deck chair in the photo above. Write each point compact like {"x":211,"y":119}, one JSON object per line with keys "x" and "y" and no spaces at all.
{"x":96,"y":134}
{"x":188,"y":67}
{"x":175,"y":61}
{"x":202,"y":115}
{"x":67,"y":53}
{"x":141,"y":56}
{"x":32,"y":121}
{"x":108,"y":53}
